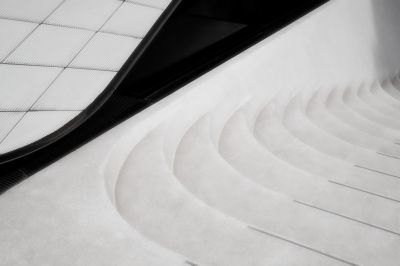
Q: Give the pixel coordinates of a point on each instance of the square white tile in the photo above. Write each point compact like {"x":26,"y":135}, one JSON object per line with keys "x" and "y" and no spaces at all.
{"x":75,"y":89}
{"x":133,"y":20}
{"x":50,"y":46}
{"x":21,"y":86}
{"x":7,"y":121}
{"x":162,"y":4}
{"x":11,"y":34}
{"x":30,"y":10}
{"x":34,"y":126}
{"x":88,"y":14}
{"x":106,"y":51}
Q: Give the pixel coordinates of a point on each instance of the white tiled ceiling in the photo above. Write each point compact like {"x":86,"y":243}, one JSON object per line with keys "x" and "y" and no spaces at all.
{"x":162,"y":4}
{"x":28,"y":10}
{"x":50,"y":46}
{"x":57,"y":56}
{"x":106,"y":51}
{"x":74,"y":90}
{"x":33,"y":126}
{"x":132,"y":20}
{"x":12,"y":32}
{"x":8,"y":121}
{"x":35,"y":80}
{"x":88,"y":14}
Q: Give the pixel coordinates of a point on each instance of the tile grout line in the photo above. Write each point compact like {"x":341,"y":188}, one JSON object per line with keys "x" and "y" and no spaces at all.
{"x":19,"y":44}
{"x":13,"y":127}
{"x":55,"y":66}
{"x":58,"y":75}
{"x":29,"y":109}
{"x":94,"y":34}
{"x":121,"y":34}
{"x":76,"y":55}
{"x":15,"y":48}
{"x":301,"y":245}
{"x":141,"y":4}
{"x":347,"y":217}
{"x":40,"y":110}
{"x":30,"y":33}
{"x":73,"y":27}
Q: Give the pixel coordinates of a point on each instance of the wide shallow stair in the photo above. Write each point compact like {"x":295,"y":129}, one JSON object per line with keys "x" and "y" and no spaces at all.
{"x":274,"y":158}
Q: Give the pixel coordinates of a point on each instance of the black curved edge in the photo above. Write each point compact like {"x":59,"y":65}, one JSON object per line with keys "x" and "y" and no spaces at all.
{"x":100,"y":99}
{"x":171,"y":56}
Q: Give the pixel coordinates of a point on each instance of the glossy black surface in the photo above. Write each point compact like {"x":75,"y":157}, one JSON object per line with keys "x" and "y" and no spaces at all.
{"x":197,"y":36}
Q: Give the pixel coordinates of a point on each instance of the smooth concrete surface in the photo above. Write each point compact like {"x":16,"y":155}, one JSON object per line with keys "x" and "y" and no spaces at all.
{"x":288,"y":154}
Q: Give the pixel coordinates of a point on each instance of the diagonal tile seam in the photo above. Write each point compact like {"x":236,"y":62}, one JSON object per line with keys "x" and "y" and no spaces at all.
{"x":30,"y":33}
{"x":41,"y":110}
{"x":68,"y":66}
{"x":12,"y":128}
{"x":81,"y":49}
{"x":141,"y":4}
{"x":59,"y":66}
{"x":63,"y":69}
{"x":13,"y":50}
{"x":22,"y":117}
{"x":71,"y":27}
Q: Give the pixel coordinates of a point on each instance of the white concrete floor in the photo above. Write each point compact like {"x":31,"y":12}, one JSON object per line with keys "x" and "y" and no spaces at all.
{"x":288,"y":154}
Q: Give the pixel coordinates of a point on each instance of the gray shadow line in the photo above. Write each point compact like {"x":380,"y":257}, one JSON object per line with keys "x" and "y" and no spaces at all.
{"x":376,"y":171}
{"x":348,"y":218}
{"x":364,"y":191}
{"x":303,"y":246}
